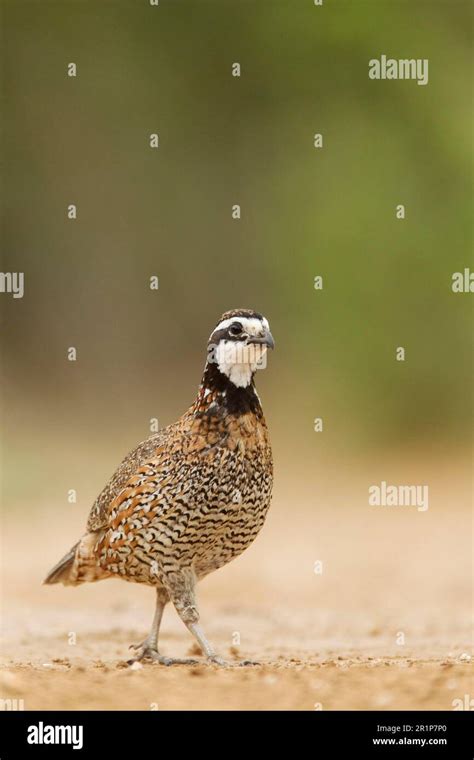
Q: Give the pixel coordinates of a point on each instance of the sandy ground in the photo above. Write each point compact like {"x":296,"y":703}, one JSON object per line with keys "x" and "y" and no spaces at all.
{"x":386,"y":625}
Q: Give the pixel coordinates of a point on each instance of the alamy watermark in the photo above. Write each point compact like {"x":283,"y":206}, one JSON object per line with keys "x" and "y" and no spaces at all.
{"x":463,"y":282}
{"x":11,"y":704}
{"x":53,"y":734}
{"x":12,"y":282}
{"x":230,"y":352}
{"x":385,"y":495}
{"x":403,"y":68}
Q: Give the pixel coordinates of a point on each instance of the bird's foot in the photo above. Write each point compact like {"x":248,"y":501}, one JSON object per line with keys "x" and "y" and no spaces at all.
{"x":214,"y":659}
{"x":148,"y":651}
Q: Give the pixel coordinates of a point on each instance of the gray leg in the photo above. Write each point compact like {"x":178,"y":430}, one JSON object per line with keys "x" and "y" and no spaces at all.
{"x":206,"y":647}
{"x":181,"y":588}
{"x":152,"y":638}
{"x":148,"y":649}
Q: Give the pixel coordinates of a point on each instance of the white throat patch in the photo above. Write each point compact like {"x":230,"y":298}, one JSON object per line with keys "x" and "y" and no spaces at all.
{"x":239,"y":361}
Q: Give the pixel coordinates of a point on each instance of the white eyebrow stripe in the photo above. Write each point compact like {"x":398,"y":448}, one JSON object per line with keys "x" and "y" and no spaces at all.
{"x":250,"y":324}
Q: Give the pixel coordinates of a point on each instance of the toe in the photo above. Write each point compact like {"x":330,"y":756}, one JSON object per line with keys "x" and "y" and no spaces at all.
{"x":165,"y":660}
{"x":216,"y":660}
{"x":178,"y":661}
{"x":145,"y":653}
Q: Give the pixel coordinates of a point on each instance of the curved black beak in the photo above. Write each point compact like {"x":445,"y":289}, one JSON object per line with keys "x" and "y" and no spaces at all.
{"x":263,"y":340}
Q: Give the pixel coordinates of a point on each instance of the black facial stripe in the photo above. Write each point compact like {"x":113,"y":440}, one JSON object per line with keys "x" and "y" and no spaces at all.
{"x":225,"y":334}
{"x":217,"y":336}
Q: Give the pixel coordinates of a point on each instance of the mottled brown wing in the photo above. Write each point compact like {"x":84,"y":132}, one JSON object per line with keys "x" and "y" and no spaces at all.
{"x":152,"y":512}
{"x":100,"y":513}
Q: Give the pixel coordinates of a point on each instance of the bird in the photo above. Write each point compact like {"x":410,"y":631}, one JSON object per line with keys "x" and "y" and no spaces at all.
{"x":192,"y":496}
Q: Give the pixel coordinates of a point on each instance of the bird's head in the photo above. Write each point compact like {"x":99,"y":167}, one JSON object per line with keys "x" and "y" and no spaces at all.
{"x":238,"y":345}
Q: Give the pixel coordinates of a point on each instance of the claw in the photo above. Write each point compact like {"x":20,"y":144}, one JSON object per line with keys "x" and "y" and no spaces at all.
{"x":146,"y":652}
{"x":214,"y":659}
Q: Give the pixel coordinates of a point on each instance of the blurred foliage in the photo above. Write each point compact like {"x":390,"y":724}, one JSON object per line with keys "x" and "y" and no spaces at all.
{"x":305,"y":212}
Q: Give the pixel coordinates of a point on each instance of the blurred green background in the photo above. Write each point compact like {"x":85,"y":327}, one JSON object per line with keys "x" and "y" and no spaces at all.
{"x":167,"y":212}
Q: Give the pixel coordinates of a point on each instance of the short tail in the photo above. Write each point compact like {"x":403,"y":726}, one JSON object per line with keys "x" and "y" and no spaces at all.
{"x":61,"y":572}
{"x":79,"y":565}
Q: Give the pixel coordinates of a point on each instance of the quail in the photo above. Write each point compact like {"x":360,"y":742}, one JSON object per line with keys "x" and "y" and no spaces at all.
{"x":191,"y":497}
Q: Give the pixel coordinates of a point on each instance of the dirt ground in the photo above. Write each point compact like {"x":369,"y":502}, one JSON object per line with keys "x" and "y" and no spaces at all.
{"x":385,"y":625}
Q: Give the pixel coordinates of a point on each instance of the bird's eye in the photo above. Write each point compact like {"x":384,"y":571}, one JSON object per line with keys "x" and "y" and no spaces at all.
{"x":235,"y":328}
